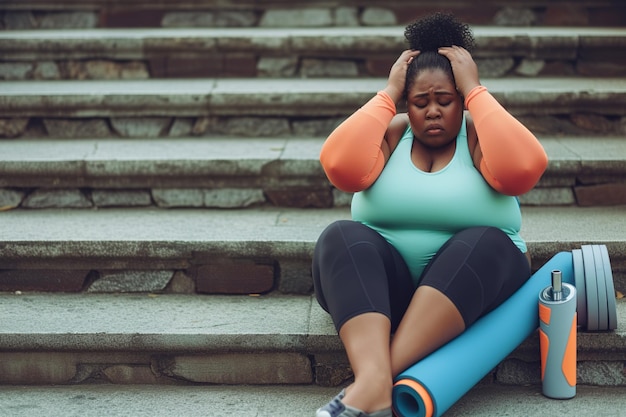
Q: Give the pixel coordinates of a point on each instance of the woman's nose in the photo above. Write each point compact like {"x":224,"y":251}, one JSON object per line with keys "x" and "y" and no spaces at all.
{"x":432,"y":112}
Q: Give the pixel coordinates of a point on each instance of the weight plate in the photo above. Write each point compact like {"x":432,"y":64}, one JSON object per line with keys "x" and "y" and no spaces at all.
{"x":610,"y":288}
{"x":603,"y":315}
{"x":579,"y":281}
{"x":591,"y":285}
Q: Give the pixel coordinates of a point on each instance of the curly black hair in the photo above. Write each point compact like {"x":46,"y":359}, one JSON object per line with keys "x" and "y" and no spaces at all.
{"x":430,"y":33}
{"x":437,"y":30}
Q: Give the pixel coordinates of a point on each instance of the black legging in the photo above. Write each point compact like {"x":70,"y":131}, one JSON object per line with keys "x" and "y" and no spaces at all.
{"x":356,"y":271}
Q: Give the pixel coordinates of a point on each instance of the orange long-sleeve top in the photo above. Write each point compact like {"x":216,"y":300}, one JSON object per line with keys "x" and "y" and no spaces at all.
{"x":512,"y":162}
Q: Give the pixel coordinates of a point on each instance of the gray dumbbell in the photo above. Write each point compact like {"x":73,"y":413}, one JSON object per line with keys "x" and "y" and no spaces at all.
{"x":596,"y":306}
{"x":610,"y":288}
{"x":581,"y":293}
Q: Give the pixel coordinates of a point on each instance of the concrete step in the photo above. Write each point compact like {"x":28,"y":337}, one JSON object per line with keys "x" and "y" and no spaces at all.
{"x":312,"y":97}
{"x":279,"y":401}
{"x":258,"y":250}
{"x":269,"y":107}
{"x":233,"y":340}
{"x":294,"y":52}
{"x":242,"y":172}
{"x":142,"y":13}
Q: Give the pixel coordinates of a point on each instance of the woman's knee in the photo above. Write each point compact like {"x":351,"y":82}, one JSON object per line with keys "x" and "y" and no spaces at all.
{"x":332,"y":232}
{"x":477,"y":270}
{"x":339,"y":237}
{"x":355,"y":270}
{"x":329,"y":240}
{"x":331,"y":255}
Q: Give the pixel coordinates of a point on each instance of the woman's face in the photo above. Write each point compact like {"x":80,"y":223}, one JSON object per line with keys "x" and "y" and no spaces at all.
{"x":435,"y":108}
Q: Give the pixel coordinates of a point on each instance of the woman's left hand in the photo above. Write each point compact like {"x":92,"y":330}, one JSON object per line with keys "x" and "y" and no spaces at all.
{"x":463,"y":66}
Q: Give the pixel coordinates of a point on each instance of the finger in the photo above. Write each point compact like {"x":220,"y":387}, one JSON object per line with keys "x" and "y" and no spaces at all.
{"x":410,"y":52}
{"x":453,"y":48}
{"x":455,"y":54}
{"x":411,"y":56}
{"x":446,"y":51}
{"x":406,"y":57}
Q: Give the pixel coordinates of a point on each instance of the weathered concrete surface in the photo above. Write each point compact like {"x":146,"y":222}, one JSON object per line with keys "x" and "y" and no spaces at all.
{"x":241,"y":172}
{"x":280,"y":401}
{"x":348,"y":51}
{"x":534,"y":42}
{"x":262,"y":339}
{"x":284,"y":97}
{"x":87,"y":159}
{"x":198,"y":13}
{"x":171,"y":234}
{"x":181,"y":239}
{"x":193,"y":324}
{"x":143,"y":323}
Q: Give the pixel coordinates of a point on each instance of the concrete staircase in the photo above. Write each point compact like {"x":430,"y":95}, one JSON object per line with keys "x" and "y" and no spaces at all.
{"x":161,"y":192}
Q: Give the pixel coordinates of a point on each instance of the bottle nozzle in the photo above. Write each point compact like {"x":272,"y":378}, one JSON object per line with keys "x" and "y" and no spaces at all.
{"x":557,"y":285}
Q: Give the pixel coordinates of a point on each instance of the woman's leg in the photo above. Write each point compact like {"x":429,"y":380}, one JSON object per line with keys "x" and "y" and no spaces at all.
{"x":365,"y":285}
{"x":430,"y":321}
{"x":474,"y":272}
{"x":366,"y":339}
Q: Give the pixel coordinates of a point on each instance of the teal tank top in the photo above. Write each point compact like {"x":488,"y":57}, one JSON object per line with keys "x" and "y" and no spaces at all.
{"x":417,"y":211}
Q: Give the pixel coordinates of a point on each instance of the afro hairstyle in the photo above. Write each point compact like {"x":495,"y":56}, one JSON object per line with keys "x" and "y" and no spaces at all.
{"x":437,"y":30}
{"x":427,"y":35}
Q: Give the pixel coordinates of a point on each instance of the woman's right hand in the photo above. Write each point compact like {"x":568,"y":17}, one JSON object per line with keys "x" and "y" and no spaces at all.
{"x":397,"y":75}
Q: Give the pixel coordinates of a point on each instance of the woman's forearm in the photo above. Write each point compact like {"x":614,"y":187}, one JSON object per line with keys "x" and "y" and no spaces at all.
{"x":352,"y":155}
{"x":513,"y":160}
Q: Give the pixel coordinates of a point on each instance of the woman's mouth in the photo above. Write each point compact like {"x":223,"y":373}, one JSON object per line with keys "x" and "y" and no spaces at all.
{"x":434,"y":130}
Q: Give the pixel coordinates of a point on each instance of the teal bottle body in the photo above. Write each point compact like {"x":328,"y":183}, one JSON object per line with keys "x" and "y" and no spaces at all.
{"x":557,"y":335}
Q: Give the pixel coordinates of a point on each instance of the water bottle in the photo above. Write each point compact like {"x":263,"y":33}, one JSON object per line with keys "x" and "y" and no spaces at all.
{"x":557,"y":338}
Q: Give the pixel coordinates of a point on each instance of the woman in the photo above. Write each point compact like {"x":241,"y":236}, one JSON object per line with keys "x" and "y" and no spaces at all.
{"x":434,"y":242}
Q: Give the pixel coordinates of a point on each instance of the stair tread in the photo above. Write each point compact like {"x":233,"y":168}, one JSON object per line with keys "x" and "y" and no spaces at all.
{"x":189,"y":323}
{"x":287,"y":39}
{"x":241,"y":151}
{"x":207,"y":227}
{"x":175,"y":239}
{"x":279,"y":401}
{"x":249,"y":86}
{"x":245,"y":163}
{"x":165,"y":322}
{"x":310,"y":98}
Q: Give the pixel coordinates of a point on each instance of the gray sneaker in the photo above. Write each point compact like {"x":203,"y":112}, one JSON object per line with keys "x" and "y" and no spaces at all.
{"x":335,"y":408}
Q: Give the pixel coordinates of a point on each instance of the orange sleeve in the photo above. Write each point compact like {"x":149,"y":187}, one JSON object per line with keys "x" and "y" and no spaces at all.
{"x":352,"y":155}
{"x":513,"y":160}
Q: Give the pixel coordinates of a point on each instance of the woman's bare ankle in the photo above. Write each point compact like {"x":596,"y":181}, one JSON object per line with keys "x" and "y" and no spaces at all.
{"x":369,"y":394}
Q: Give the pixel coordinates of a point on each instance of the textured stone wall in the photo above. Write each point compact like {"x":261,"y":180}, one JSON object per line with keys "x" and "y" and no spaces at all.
{"x":286,"y":53}
{"x":601,"y":193}
{"x":257,"y":65}
{"x":217,"y":276}
{"x":324,"y":369}
{"x":575,"y":124}
{"x":93,"y":13}
{"x":96,"y":14}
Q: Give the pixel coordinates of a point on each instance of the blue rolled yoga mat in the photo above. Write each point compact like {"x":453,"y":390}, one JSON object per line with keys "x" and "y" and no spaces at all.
{"x":434,"y":384}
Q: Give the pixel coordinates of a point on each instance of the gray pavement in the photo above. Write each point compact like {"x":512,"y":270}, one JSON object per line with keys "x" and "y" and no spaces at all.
{"x":150,"y":162}
{"x":89,"y":159}
{"x":281,"y":401}
{"x":168,"y":322}
{"x":133,"y":43}
{"x":284,"y":97}
{"x":80,"y":232}
{"x":178,"y":238}
{"x":70,"y":322}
